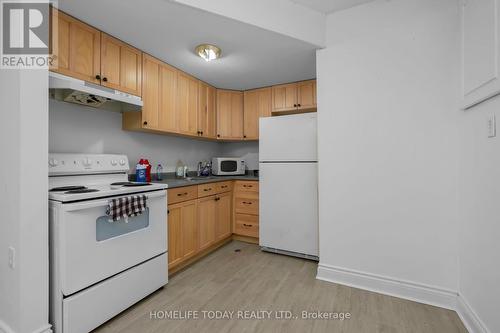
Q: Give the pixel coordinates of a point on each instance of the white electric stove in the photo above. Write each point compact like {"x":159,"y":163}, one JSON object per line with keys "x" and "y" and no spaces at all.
{"x":99,"y":268}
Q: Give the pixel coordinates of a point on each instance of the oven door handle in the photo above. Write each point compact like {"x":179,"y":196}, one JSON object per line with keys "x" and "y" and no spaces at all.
{"x":104,"y":202}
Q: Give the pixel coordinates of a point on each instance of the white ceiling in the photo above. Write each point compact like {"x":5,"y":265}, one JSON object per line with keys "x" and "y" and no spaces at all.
{"x":329,"y":6}
{"x":251,"y":57}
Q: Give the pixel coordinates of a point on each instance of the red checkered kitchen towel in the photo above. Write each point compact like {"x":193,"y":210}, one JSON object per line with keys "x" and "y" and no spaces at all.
{"x":125,"y":207}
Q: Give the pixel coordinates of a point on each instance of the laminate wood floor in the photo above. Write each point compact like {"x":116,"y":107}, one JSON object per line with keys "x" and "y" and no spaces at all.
{"x":256,"y":281}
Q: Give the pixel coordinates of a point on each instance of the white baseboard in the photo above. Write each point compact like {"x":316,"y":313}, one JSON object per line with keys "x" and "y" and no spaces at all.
{"x":469,"y":317}
{"x":389,"y":286}
{"x":4,"y":328}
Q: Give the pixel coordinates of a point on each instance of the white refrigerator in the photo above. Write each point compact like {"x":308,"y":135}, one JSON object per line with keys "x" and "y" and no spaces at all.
{"x":288,"y":181}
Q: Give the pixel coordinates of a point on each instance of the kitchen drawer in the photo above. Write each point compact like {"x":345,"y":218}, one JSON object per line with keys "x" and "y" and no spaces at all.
{"x":206,"y":190}
{"x":251,"y":187}
{"x":181,"y":194}
{"x":222,"y":187}
{"x":246,"y":225}
{"x":246,"y":206}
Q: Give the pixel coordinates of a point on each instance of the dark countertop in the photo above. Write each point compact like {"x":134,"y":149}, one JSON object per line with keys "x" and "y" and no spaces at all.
{"x":174,"y":182}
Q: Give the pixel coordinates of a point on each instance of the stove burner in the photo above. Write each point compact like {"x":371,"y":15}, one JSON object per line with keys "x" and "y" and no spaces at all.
{"x":83,"y":190}
{"x":136,"y":184}
{"x":129,"y":184}
{"x":67,"y":188}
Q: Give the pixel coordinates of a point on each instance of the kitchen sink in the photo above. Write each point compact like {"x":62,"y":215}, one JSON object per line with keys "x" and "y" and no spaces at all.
{"x":199,"y":178}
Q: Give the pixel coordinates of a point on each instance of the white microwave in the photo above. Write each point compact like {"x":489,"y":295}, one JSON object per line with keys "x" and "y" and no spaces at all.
{"x":227,"y":166}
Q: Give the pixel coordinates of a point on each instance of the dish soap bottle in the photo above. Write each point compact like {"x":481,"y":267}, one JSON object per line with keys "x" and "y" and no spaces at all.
{"x":159,"y":171}
{"x":180,"y":169}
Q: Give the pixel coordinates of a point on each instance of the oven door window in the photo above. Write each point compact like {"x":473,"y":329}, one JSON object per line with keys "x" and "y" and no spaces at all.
{"x":107,"y":230}
{"x":228,"y":166}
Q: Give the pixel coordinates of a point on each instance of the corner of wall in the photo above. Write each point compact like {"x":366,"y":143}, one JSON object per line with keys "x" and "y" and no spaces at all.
{"x":469,"y":317}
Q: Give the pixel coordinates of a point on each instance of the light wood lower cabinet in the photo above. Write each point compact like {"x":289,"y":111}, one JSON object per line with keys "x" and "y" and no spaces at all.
{"x":182,"y":232}
{"x":206,"y":221}
{"x":198,"y":222}
{"x":246,"y":209}
{"x":223,"y":214}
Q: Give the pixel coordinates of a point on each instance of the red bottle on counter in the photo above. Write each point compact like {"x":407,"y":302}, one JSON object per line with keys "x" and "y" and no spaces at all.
{"x":148,"y":169}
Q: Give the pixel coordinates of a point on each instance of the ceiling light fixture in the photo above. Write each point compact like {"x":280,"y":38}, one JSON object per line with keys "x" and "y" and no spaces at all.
{"x":208,"y":52}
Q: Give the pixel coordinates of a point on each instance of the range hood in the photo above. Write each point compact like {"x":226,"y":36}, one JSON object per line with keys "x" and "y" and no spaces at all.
{"x":68,"y":89}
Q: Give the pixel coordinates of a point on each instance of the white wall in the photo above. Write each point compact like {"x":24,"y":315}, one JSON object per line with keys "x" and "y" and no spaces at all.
{"x":281,"y":16}
{"x":479,"y":210}
{"x":248,"y":150}
{"x":75,"y":128}
{"x":23,"y":201}
{"x":387,"y":136}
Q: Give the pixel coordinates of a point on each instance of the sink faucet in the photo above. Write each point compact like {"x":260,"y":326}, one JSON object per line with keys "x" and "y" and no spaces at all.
{"x":200,"y":169}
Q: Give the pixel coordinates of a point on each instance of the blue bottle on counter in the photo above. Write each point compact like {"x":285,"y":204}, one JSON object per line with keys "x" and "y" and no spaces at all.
{"x":140,"y":173}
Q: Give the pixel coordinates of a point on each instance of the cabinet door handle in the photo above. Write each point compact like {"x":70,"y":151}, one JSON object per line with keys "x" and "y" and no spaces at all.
{"x":105,"y":79}
{"x":98,"y":77}
{"x":298,"y":105}
{"x":295,"y":105}
{"x":168,"y":211}
{"x":145,"y":123}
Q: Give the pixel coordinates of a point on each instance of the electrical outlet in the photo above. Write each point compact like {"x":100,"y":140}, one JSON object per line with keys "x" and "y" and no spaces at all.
{"x":12,"y":257}
{"x":492,"y":126}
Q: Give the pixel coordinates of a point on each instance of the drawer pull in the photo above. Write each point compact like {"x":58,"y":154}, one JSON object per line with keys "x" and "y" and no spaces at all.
{"x":248,"y":186}
{"x":247,"y":225}
{"x":246,"y":203}
{"x":207,"y":189}
{"x":181,"y":194}
{"x":223,"y":186}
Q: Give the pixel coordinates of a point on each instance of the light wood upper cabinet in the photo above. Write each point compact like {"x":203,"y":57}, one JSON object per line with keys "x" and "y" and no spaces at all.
{"x":257,"y":103}
{"x":121,"y":66}
{"x":168,"y":117}
{"x":251,"y":115}
{"x":295,"y":97}
{"x":229,"y":114}
{"x":223,"y":214}
{"x":187,"y":103}
{"x":285,"y":97}
{"x":182,"y":231}
{"x":75,"y":48}
{"x":206,"y":221}
{"x":207,"y":111}
{"x":306,"y":95}
{"x":159,"y":85}
{"x":151,"y":95}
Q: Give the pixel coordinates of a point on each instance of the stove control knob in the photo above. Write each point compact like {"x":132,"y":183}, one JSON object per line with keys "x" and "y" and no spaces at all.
{"x":87,"y":162}
{"x":114,"y":162}
{"x":53,"y":162}
{"x":122,"y":162}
